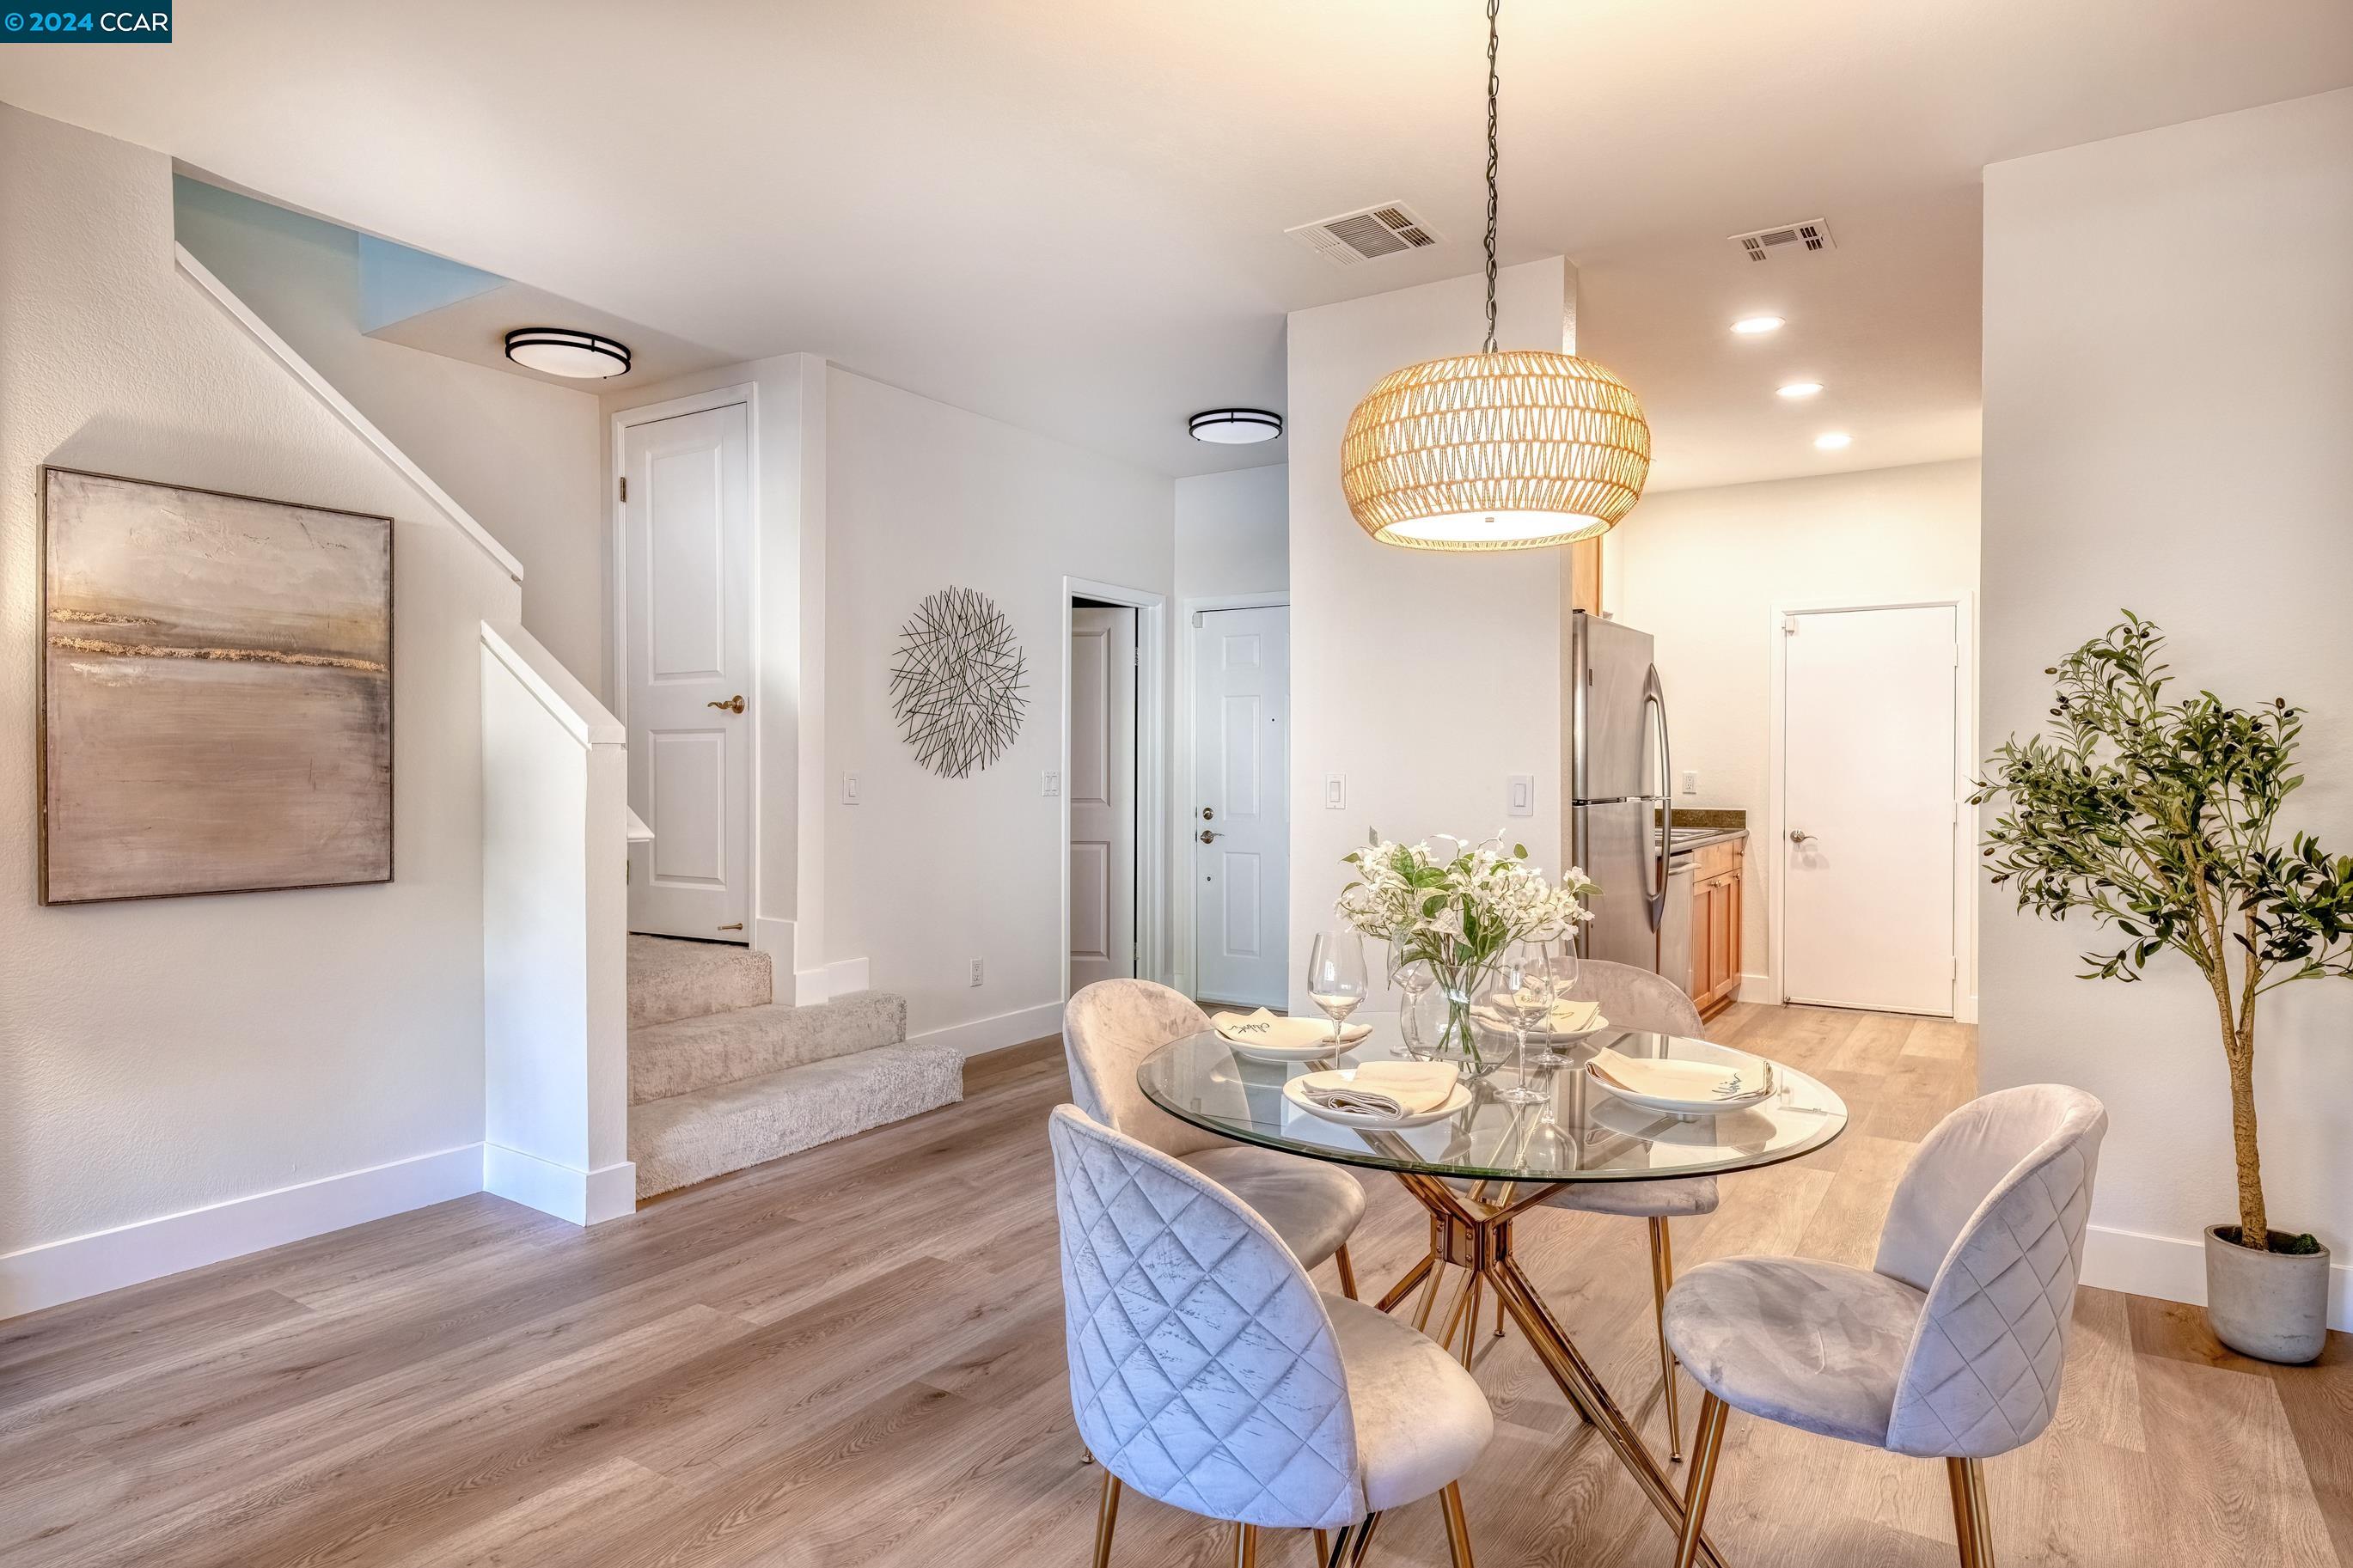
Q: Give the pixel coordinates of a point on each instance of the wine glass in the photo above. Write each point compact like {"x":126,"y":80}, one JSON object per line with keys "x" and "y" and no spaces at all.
{"x":1562,"y":967}
{"x":1413,"y":977}
{"x":1522,"y":996}
{"x":1336,"y":976}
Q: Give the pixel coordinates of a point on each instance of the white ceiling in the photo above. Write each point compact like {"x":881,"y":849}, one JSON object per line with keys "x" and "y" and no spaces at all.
{"x":1071,"y":217}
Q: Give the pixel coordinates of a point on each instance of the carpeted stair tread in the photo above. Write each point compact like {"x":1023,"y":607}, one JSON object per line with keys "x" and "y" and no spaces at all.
{"x":687,"y":1138}
{"x":672,"y":979}
{"x":690,"y":1054}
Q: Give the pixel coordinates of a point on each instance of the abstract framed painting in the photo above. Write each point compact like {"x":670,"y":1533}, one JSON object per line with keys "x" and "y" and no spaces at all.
{"x":216,"y":692}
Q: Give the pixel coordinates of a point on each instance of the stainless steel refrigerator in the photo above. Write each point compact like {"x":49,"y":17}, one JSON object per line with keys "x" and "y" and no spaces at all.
{"x":1621,"y":816}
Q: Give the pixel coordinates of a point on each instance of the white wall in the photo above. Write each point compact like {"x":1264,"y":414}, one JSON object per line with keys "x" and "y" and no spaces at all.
{"x":1425,"y":678}
{"x":520,"y":455}
{"x":929,"y":873}
{"x":159,"y":1056}
{"x":1233,"y":533}
{"x":1701,"y":571}
{"x":2168,"y":396}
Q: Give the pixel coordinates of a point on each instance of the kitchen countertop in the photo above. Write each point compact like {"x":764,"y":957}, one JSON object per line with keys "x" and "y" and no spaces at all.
{"x":1698,"y":826}
{"x":1698,"y":838}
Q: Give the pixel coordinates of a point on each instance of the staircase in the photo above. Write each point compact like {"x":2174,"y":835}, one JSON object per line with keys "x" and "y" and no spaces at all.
{"x":721,"y":1077}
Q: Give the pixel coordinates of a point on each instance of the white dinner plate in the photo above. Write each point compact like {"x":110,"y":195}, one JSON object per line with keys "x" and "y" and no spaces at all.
{"x":1258,"y":1051}
{"x":1489,"y":1019}
{"x":1680,"y":1105}
{"x":1295,"y":1091}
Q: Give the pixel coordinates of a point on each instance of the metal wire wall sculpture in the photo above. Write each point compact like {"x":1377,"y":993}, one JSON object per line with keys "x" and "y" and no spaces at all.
{"x":956,"y":686}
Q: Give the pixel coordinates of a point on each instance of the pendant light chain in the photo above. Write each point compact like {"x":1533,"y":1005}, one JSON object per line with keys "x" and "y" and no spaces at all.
{"x":1494,"y":87}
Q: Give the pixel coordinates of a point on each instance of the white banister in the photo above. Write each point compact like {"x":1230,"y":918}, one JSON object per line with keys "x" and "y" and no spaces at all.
{"x":556,"y":827}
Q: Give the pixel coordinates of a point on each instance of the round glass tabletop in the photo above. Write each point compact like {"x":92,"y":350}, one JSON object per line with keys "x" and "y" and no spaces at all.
{"x":1580,"y":1133}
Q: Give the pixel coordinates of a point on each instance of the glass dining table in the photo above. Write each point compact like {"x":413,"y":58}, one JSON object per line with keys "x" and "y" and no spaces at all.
{"x":1481,"y":1168}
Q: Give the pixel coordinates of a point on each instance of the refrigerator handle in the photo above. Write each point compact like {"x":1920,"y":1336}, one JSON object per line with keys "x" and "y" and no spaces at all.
{"x":1654,"y":707}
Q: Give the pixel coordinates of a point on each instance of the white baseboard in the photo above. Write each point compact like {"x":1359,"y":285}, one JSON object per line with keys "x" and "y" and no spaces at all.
{"x":807,"y":987}
{"x":584,"y":1197}
{"x":1758,"y":988}
{"x":2172,"y":1269}
{"x":995,"y":1033}
{"x":844,"y":975}
{"x":776,"y":939}
{"x":104,"y":1260}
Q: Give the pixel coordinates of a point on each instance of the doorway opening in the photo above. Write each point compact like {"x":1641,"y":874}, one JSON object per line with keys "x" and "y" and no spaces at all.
{"x":1872,"y":747}
{"x":1236,"y":771}
{"x":1112,"y":763}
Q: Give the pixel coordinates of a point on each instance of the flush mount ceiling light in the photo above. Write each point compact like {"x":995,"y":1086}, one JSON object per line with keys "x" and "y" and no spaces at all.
{"x":560,"y":351}
{"x":1495,"y":451}
{"x":1757,"y":326}
{"x":1797,"y":389}
{"x":1832,"y":440}
{"x":1235,"y":427}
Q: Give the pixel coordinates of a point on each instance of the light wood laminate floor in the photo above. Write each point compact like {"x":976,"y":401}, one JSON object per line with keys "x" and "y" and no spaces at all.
{"x":855,"y":1357}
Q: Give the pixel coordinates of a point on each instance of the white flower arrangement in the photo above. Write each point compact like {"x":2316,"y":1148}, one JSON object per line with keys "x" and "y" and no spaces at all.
{"x":1459,"y":910}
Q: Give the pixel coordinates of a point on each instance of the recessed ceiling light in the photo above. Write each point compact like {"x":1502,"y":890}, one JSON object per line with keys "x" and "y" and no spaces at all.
{"x":1832,"y":440}
{"x":1751,"y":326}
{"x":1235,"y":427}
{"x":1797,"y":389}
{"x":560,"y":351}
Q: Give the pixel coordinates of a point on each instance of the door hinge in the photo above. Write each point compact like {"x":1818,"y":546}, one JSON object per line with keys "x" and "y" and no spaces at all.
{"x":1197,"y":620}
{"x":1789,"y":626}
{"x":625,"y":487}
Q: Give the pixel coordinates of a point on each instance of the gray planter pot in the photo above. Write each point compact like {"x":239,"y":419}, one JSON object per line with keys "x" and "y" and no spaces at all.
{"x":2272,"y":1306}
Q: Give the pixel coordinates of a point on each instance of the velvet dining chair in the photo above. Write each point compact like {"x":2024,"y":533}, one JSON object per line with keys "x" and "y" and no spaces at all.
{"x":1109,"y":1028}
{"x":1949,"y":1346}
{"x":1207,"y":1371}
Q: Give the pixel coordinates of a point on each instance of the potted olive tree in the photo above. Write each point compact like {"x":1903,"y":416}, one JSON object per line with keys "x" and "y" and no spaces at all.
{"x":2156,"y":817}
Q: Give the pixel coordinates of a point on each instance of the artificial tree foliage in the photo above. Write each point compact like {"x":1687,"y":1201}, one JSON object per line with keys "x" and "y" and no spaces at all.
{"x":2157,"y":817}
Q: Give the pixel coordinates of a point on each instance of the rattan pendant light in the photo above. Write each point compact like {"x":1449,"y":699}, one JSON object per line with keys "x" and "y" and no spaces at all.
{"x":1509,"y":450}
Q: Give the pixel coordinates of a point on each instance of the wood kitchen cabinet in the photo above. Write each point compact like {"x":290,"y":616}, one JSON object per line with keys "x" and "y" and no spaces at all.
{"x":1715,"y":925}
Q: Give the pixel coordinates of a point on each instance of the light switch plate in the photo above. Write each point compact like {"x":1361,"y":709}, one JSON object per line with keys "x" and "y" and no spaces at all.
{"x":850,"y":789}
{"x":1691,"y":781}
{"x":1336,"y":792}
{"x":1520,"y":795}
{"x":1051,"y":783}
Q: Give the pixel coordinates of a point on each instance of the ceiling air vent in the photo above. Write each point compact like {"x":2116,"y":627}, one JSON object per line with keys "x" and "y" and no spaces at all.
{"x":1390,"y":230}
{"x":1788,"y":239}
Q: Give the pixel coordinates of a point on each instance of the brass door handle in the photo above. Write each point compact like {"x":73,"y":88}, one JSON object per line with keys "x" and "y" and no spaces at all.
{"x":733,"y":705}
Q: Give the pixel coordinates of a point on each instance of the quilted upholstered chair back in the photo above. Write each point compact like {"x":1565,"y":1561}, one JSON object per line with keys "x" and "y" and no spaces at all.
{"x":1108,"y":1030}
{"x":1635,"y":998}
{"x":1989,"y":1220}
{"x":1204,"y":1372}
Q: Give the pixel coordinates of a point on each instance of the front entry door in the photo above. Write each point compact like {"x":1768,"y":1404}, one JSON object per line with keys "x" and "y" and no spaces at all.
{"x":1869,"y":808}
{"x":1102,"y":793}
{"x":1241,"y":801}
{"x":687,"y":626}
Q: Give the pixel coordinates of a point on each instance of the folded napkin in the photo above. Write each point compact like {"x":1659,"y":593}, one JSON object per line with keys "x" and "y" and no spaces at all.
{"x":1667,"y":1078}
{"x":1565,"y":1018}
{"x":1265,"y":1029}
{"x":1383,"y":1088}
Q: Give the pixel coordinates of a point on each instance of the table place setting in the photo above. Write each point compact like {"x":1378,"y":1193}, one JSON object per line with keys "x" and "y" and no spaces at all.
{"x":1681,"y":1088}
{"x":1381,"y":1095}
{"x":1267,"y":1037}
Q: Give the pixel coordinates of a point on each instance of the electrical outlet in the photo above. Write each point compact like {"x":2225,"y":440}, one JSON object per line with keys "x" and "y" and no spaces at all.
{"x":1050,"y":782}
{"x":976,"y":971}
{"x":1691,"y":781}
{"x":1520,"y":795}
{"x":850,"y":789}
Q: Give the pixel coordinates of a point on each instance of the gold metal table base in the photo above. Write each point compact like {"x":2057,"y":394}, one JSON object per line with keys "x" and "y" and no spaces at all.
{"x":1473,"y":1231}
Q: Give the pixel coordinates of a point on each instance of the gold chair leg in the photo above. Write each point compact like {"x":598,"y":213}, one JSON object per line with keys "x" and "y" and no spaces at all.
{"x":1364,"y":1539}
{"x":1106,"y":1517}
{"x":1246,"y":1546}
{"x":1706,"y":1441}
{"x":1458,"y":1529}
{"x":1972,"y":1522}
{"x":1322,"y":1547}
{"x":1347,"y":1267}
{"x":1663,"y":1280}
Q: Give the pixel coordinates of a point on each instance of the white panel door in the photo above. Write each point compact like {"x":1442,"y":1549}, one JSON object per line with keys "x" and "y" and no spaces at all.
{"x":1242,"y":802}
{"x":686,"y":539}
{"x":1102,"y":793}
{"x":1869,"y":808}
